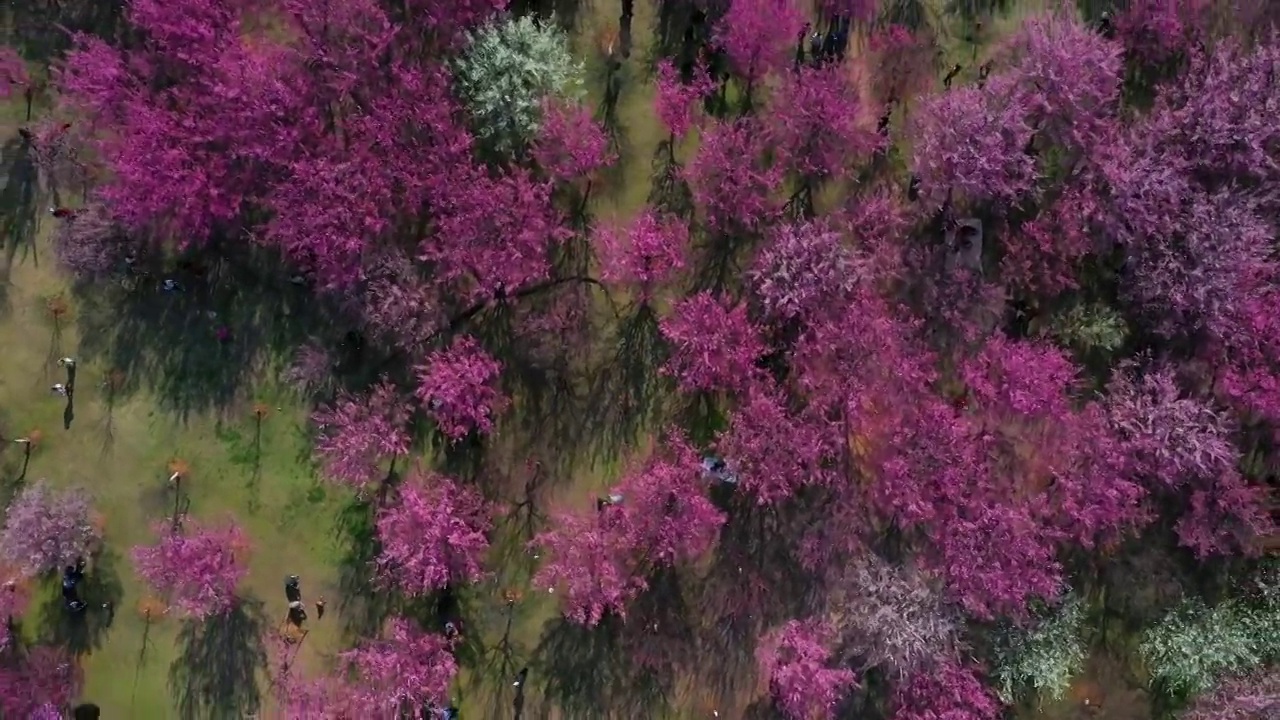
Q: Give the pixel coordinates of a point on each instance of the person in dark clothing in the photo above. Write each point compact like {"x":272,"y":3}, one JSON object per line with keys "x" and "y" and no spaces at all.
{"x":983,"y":72}
{"x":517,"y":704}
{"x":293,"y":589}
{"x":951,"y":75}
{"x":843,"y":25}
{"x":71,"y":577}
{"x":882,"y":125}
{"x":804,"y":35}
{"x":829,"y":42}
{"x":1105,"y":27}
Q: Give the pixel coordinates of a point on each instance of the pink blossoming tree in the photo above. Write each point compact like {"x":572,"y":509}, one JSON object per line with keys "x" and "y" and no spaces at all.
{"x":659,"y":516}
{"x":196,"y":568}
{"x":794,"y":659}
{"x":458,"y":387}
{"x":433,"y":535}
{"x":407,"y":669}
{"x":359,"y":434}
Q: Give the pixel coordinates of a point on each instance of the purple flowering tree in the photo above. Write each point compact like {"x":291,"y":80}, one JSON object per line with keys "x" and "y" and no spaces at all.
{"x":46,"y":529}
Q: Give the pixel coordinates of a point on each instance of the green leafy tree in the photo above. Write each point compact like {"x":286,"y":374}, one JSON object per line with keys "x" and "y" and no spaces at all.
{"x":510,"y":69}
{"x":1195,"y":645}
{"x":1045,"y":658}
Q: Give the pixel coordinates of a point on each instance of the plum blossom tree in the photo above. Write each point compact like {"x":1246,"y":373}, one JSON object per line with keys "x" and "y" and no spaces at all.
{"x":713,"y":347}
{"x":602,"y":558}
{"x":587,"y":564}
{"x":571,"y":144}
{"x":948,"y":690}
{"x":1048,"y":471}
{"x":905,"y":59}
{"x":1177,"y":443}
{"x":407,"y":669}
{"x":794,"y":659}
{"x":42,"y":677}
{"x":457,"y":386}
{"x":433,"y":535}
{"x":730,"y":179}
{"x":817,"y":124}
{"x":677,"y":99}
{"x":969,"y":144}
{"x":46,"y":529}
{"x":196,"y":568}
{"x":358,"y":434}
{"x":758,"y":36}
{"x":804,"y":270}
{"x":90,"y":243}
{"x":895,"y":618}
{"x":1195,"y":279}
{"x":187,"y":160}
{"x":1068,"y":77}
{"x":1157,"y":31}
{"x":648,"y":251}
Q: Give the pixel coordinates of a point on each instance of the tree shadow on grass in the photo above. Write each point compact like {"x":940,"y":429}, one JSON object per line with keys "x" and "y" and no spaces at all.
{"x":42,"y":31}
{"x":627,"y":388}
{"x":216,"y":673}
{"x":19,"y":202}
{"x":83,"y":632}
{"x":540,"y":370}
{"x":199,"y":343}
{"x":755,"y":582}
{"x":588,"y":673}
{"x":363,"y":604}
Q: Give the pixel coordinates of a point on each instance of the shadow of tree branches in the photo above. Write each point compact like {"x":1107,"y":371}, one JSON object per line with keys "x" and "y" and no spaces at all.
{"x":83,"y":632}
{"x":627,"y":388}
{"x":198,"y":344}
{"x":43,"y":29}
{"x":587,"y":673}
{"x":216,"y":673}
{"x":19,"y":203}
{"x":363,"y":604}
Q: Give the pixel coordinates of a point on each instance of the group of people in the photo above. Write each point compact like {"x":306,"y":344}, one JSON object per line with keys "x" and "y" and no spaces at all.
{"x":829,"y":46}
{"x":293,"y":595}
{"x":69,"y":387}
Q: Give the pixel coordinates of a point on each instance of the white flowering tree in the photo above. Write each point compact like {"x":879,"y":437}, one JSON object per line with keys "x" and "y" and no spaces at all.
{"x":510,"y":69}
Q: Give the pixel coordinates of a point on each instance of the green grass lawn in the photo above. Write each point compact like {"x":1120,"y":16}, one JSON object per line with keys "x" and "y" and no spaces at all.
{"x":120,"y":451}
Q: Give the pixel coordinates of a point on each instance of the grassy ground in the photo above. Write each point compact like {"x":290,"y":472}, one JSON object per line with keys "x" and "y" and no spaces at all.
{"x":119,"y":451}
